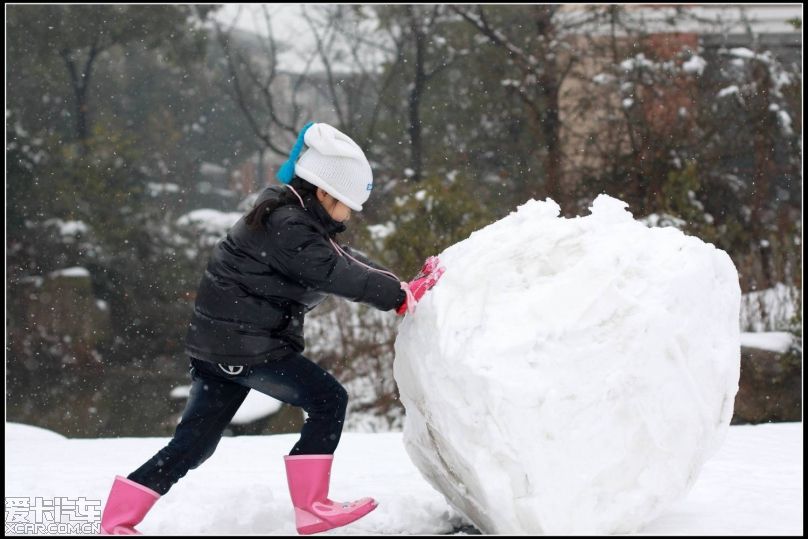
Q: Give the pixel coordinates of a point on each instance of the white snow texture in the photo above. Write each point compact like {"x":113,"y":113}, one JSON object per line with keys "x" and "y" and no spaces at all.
{"x":570,"y":375}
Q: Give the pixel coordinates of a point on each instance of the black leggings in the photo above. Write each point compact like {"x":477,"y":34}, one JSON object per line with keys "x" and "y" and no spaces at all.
{"x":216,"y":396}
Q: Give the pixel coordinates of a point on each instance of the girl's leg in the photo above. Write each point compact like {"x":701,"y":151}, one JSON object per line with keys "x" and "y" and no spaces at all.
{"x":213,"y":402}
{"x":296,"y":380}
{"x":299,"y":381}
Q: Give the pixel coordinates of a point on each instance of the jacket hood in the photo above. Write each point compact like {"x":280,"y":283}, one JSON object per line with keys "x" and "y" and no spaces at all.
{"x":314,"y":208}
{"x":330,"y":226}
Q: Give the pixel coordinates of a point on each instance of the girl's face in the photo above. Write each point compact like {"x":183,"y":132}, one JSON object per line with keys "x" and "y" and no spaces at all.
{"x":336,"y":209}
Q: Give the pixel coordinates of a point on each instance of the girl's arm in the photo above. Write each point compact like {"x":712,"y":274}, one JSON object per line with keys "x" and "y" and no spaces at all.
{"x":301,"y":253}
{"x":362,"y":258}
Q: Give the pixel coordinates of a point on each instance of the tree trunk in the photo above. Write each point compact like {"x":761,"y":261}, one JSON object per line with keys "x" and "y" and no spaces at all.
{"x":261,"y":173}
{"x":551,"y":128}
{"x":550,"y":121}
{"x":416,"y":144}
{"x":82,"y":123}
{"x":764,"y":127}
{"x":80,"y":83}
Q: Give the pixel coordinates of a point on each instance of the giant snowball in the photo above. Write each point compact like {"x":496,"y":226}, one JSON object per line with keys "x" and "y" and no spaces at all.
{"x":570,"y":375}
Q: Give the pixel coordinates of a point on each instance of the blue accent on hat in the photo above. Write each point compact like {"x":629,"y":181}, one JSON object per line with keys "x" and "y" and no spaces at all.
{"x":287,"y":170}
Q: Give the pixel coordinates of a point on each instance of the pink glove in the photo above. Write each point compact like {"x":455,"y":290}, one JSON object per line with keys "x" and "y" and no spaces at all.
{"x":429,"y":266}
{"x":420,"y":285}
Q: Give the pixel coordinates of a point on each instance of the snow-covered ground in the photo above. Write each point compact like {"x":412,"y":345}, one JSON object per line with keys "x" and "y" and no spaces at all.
{"x":752,"y":486}
{"x":774,"y":341}
{"x":769,"y":309}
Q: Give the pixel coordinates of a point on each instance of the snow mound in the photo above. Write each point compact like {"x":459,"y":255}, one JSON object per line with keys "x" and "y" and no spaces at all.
{"x":570,"y":375}
{"x":19,"y":432}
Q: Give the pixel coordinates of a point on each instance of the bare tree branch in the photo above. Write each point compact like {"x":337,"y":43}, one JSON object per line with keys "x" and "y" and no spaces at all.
{"x":289,"y":127}
{"x":332,"y":87}
{"x":527,"y":61}
{"x":241,"y":100}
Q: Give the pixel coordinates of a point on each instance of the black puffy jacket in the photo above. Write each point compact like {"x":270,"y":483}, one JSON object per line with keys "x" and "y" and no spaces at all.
{"x":259,"y":284}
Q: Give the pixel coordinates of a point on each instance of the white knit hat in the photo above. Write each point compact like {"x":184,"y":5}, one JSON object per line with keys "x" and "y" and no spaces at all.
{"x":337,"y":164}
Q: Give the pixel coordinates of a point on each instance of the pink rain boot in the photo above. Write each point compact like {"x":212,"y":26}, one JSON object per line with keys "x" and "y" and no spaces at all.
{"x":308,"y":477}
{"x":127,"y":504}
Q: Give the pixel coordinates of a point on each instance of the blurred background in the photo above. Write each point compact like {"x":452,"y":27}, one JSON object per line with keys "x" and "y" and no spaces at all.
{"x":136,"y":135}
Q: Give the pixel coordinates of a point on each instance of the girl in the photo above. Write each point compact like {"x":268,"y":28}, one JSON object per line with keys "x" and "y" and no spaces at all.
{"x":246,"y":332}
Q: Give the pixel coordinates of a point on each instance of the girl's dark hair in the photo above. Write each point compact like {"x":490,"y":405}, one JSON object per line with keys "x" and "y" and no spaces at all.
{"x":255,"y":219}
